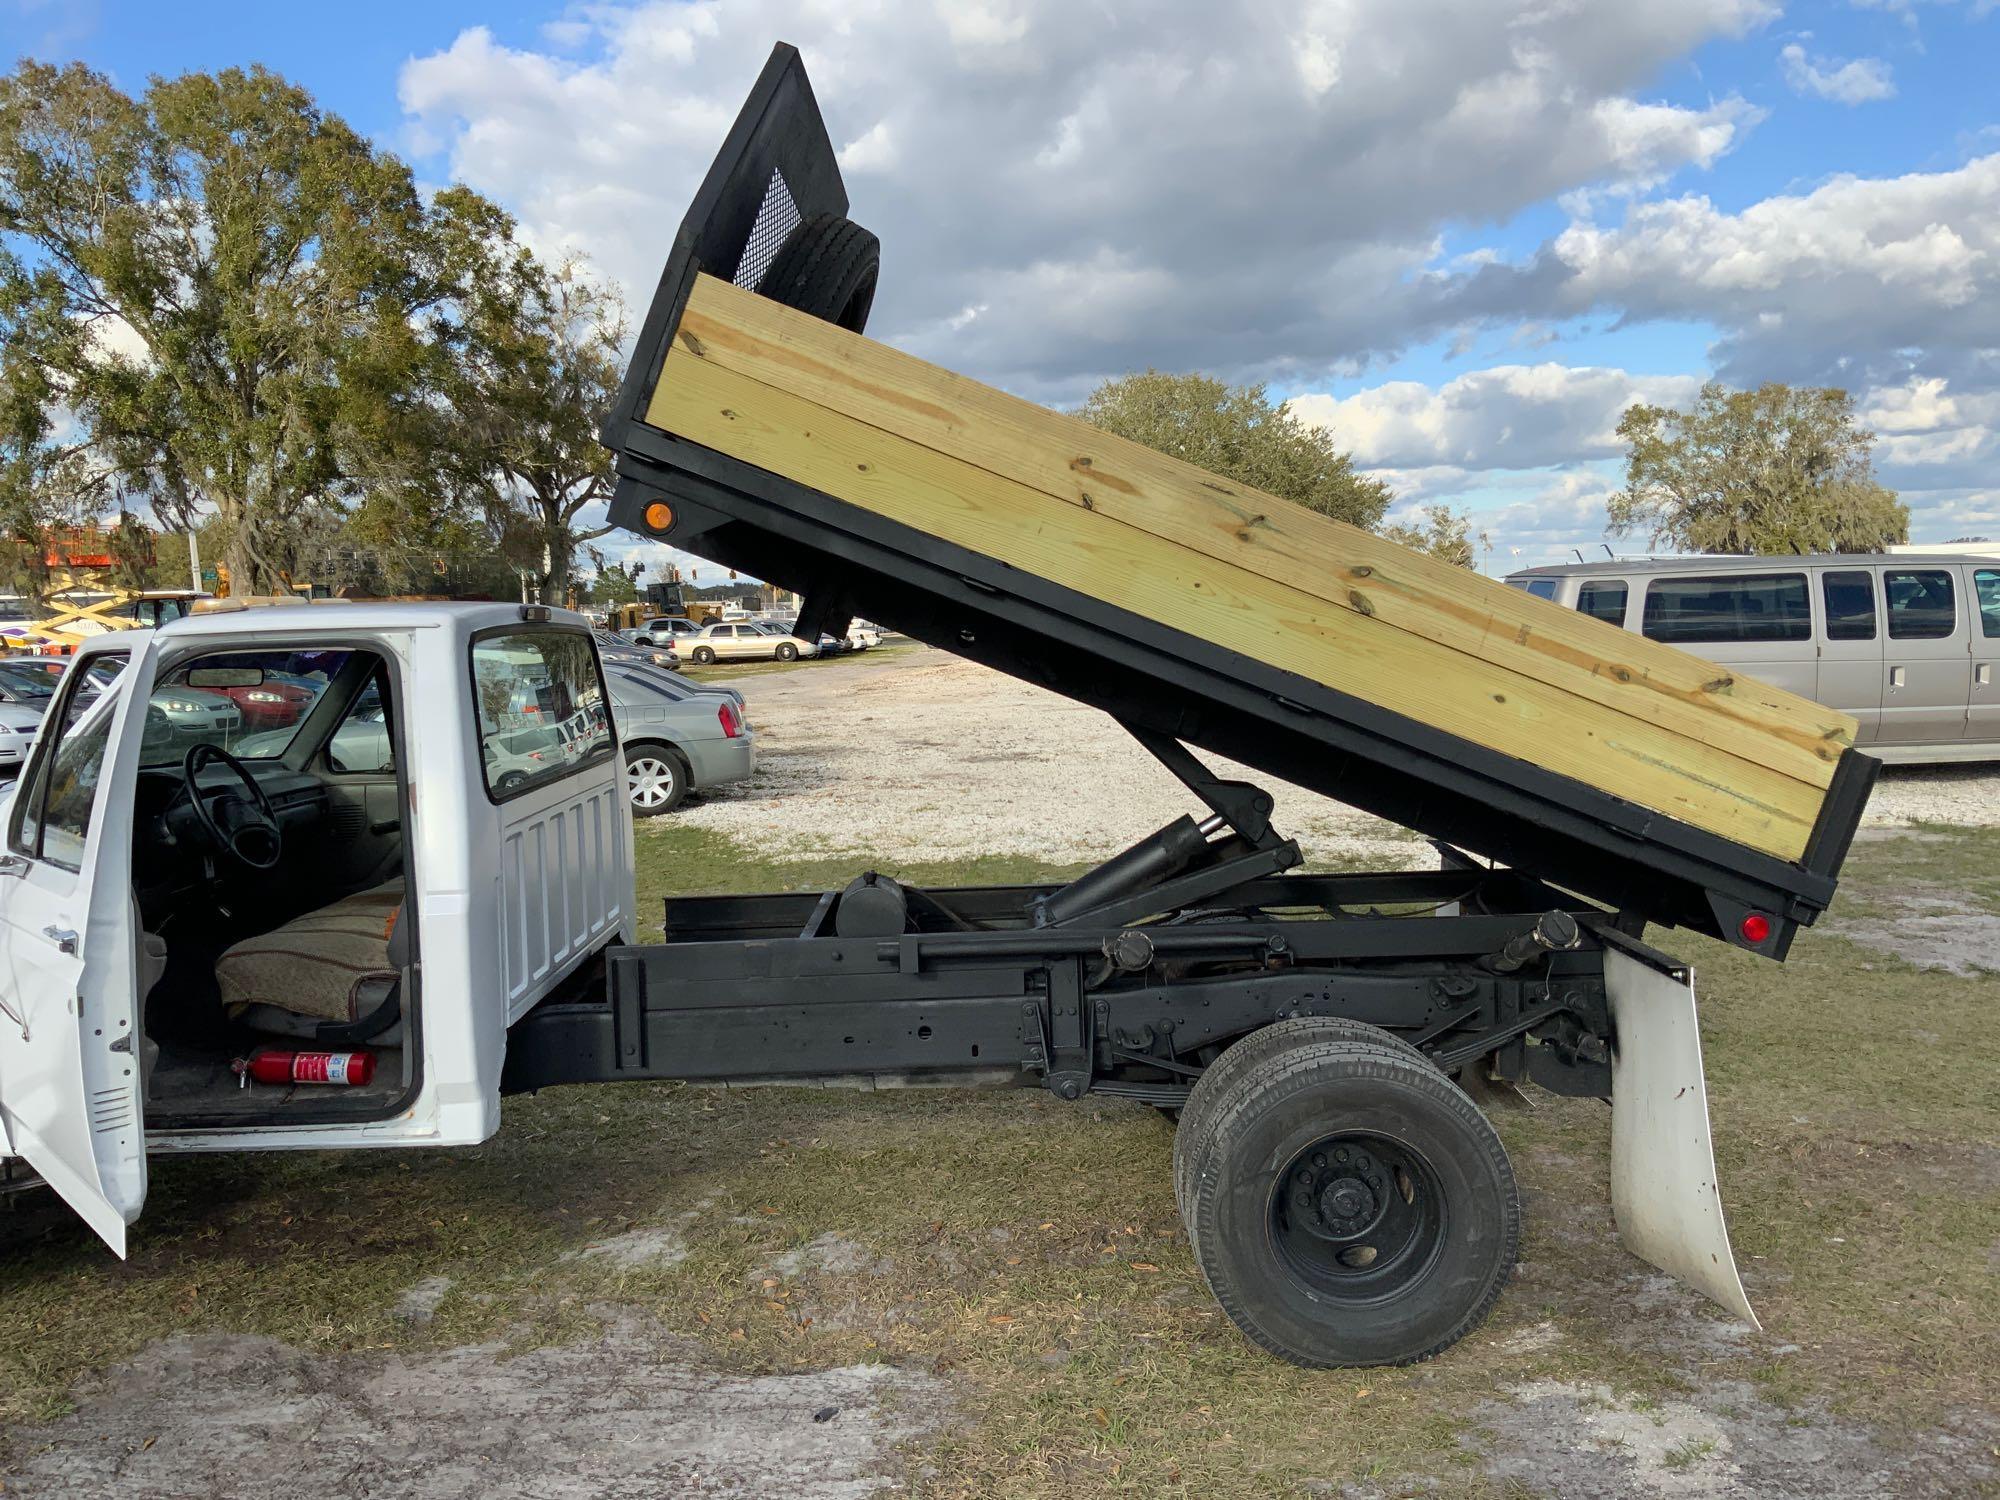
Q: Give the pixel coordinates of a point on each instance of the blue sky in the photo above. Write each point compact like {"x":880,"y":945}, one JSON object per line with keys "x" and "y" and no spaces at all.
{"x":1304,"y":193}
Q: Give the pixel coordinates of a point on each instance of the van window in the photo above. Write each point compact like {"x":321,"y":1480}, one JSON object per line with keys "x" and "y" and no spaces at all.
{"x":1729,"y":607}
{"x":1850,"y":606}
{"x":541,"y":706}
{"x":1921,"y":605}
{"x":1986,"y":583}
{"x":1603,"y":599}
{"x":1541,"y":588}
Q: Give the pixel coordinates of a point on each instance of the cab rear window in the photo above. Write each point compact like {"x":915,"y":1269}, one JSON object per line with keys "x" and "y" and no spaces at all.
{"x":541,"y":707}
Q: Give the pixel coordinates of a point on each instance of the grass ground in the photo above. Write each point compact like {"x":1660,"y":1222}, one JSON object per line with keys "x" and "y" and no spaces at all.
{"x":1028,"y":1250}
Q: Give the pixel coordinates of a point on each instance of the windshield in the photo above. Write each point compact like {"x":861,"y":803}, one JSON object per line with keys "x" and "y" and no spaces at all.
{"x":27,"y":682}
{"x":250,"y":703}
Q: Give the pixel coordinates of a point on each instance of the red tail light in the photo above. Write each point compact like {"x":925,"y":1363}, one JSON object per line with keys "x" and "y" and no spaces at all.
{"x":726,"y":717}
{"x":1755,"y":927}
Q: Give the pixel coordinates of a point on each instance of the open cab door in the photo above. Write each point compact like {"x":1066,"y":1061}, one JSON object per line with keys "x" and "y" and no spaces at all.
{"x":71,"y":1081}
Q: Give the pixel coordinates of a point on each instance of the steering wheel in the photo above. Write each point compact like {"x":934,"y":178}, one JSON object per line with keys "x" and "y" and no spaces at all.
{"x":247,"y":827}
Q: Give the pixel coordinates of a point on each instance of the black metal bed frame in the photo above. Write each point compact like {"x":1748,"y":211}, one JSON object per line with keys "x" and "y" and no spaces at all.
{"x":1129,"y":980}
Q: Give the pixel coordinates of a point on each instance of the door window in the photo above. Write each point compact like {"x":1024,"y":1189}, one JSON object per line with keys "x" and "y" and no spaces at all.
{"x":52,"y":810}
{"x":365,"y":741}
{"x":1603,"y":599}
{"x":1921,"y":605}
{"x":1729,"y":607}
{"x":1986,"y":583}
{"x":1850,"y":606}
{"x":541,"y":707}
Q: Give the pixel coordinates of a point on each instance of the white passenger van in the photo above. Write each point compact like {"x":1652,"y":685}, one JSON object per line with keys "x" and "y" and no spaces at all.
{"x":1908,"y":643}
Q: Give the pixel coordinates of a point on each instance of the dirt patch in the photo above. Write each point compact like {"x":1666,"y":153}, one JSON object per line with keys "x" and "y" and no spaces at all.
{"x":420,"y":1303}
{"x":833,"y":1254}
{"x":1723,"y":1440}
{"x":1933,"y":928}
{"x":636,"y":1248}
{"x":215,"y":1417}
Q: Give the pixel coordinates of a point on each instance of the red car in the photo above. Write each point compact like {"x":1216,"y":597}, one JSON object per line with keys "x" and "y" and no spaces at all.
{"x":271,"y":704}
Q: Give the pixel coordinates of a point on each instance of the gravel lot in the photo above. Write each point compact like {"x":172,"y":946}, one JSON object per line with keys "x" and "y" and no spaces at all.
{"x":928,"y":756}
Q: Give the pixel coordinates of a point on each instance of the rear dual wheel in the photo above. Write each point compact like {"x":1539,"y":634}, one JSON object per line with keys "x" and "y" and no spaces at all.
{"x":1253,"y":1051}
{"x":1348,"y":1205}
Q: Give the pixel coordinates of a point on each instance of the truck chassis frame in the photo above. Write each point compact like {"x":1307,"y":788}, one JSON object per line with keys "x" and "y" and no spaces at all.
{"x":1126,"y":981}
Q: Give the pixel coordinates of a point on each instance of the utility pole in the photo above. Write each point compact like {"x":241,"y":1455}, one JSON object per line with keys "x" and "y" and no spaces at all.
{"x":194,"y":561}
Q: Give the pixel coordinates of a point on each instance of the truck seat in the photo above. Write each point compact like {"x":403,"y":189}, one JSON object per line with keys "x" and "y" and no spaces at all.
{"x":332,"y":975}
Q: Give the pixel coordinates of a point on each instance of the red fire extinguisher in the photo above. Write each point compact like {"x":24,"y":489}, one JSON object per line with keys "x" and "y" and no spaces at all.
{"x":274,"y":1065}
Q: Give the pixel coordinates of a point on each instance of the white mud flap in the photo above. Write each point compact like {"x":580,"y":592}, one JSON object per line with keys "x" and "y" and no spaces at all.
{"x":1663,"y":1189}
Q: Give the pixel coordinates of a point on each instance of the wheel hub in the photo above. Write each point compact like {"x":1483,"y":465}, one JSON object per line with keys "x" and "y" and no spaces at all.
{"x":1346,"y":1205}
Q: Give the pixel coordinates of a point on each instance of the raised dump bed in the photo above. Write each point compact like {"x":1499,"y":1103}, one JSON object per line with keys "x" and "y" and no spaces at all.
{"x":785,"y":444}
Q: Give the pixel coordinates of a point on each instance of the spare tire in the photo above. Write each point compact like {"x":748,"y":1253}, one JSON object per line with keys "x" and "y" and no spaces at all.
{"x":828,"y":267}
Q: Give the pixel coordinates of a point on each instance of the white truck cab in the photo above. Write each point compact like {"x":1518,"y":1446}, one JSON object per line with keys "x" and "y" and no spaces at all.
{"x":192,"y":873}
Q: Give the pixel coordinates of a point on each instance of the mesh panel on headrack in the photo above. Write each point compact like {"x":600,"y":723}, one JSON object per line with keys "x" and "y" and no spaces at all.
{"x":777,"y":217}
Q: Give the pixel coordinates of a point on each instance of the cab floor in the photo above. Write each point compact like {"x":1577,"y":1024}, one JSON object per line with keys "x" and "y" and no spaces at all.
{"x":186,"y":1079}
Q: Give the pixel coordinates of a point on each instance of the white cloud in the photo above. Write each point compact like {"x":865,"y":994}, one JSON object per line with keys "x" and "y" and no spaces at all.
{"x":1506,"y":417}
{"x":873,"y":151}
{"x":1859,"y":282}
{"x":1861,"y":81}
{"x":1120,"y":185}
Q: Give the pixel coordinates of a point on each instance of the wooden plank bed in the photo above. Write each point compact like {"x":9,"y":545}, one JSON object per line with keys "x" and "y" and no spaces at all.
{"x":1051,"y":496}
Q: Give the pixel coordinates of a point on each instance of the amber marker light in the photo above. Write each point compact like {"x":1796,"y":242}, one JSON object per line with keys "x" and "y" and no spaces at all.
{"x":659,"y":516}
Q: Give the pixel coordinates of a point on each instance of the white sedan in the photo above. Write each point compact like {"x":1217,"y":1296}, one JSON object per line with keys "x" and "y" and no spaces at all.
{"x":745,"y":640}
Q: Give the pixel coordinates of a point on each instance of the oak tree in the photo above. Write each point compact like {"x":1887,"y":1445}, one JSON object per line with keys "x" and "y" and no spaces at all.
{"x":1236,"y":432}
{"x":1779,"y":469}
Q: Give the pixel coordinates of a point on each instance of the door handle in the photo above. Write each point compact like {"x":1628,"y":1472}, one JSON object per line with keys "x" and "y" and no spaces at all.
{"x":1983,"y":674}
{"x":1895,"y":677}
{"x":63,"y":937}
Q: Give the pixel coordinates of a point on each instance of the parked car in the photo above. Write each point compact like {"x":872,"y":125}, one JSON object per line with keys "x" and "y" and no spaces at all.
{"x":26,"y":687}
{"x":272,"y":703}
{"x":611,"y":645}
{"x":1908,"y":643}
{"x":669,"y":630}
{"x":179,"y":717}
{"x":745,"y":640}
{"x":689,"y":685}
{"x":18,"y":724}
{"x":675,"y":740}
{"x":511,"y":758}
{"x":861,"y":635}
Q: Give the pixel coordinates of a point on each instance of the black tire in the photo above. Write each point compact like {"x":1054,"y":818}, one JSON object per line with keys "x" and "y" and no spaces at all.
{"x":787,"y":651}
{"x":828,"y":267}
{"x":1354,"y":1207}
{"x":656,"y":779}
{"x":511,"y":780}
{"x":703,"y":655}
{"x":1197,"y":1115}
{"x":642,"y":640}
